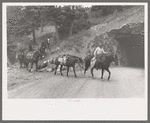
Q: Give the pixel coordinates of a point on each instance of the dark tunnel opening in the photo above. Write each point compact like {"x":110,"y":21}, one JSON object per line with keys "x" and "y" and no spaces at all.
{"x":133,"y":48}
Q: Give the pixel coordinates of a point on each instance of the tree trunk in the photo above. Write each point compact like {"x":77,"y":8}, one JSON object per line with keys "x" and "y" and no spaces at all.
{"x":33,"y":31}
{"x":9,"y":63}
{"x":71,"y":25}
{"x":41,"y":24}
{"x":71,"y":28}
{"x":56,"y":33}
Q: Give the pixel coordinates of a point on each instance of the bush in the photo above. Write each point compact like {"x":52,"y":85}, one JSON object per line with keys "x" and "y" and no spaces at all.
{"x":106,"y":10}
{"x":81,"y":25}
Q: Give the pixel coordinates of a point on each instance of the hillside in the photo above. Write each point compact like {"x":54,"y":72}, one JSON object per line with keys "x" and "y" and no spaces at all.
{"x":84,"y":41}
{"x":106,"y":32}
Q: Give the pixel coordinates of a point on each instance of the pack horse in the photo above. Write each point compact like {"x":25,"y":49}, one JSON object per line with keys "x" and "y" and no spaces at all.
{"x":68,"y":61}
{"x":104,"y":65}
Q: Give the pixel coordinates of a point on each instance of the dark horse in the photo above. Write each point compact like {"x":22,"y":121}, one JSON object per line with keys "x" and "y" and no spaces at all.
{"x":21,"y":58}
{"x":70,"y":62}
{"x":43,"y":47}
{"x":33,"y":57}
{"x":101,"y":65}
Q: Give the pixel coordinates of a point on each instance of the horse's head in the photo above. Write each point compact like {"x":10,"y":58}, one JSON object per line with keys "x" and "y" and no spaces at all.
{"x":115,"y":58}
{"x":52,"y":61}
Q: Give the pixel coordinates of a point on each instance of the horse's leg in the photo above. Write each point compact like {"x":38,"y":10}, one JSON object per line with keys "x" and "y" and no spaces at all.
{"x":86,"y":67}
{"x":74,"y":71}
{"x":109,"y":73}
{"x":56,"y":69}
{"x":48,"y":48}
{"x":36,"y":65}
{"x":61,"y":70}
{"x":31,"y":66}
{"x":102,"y":73}
{"x":67,"y":70}
{"x":92,"y":71}
{"x":27,"y":66}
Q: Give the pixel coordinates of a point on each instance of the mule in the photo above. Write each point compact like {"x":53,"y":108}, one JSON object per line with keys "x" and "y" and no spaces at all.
{"x":33,"y":57}
{"x":43,"y":47}
{"x":30,"y":48}
{"x":43,"y":65}
{"x":70,"y":62}
{"x":21,"y":58}
{"x":101,"y":65}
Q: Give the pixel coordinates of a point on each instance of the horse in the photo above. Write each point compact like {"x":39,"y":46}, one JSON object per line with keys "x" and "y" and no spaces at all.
{"x":30,"y":48}
{"x":43,"y":65}
{"x":21,"y":58}
{"x":33,"y":57}
{"x":109,"y":57}
{"x":43,"y":47}
{"x":70,"y":62}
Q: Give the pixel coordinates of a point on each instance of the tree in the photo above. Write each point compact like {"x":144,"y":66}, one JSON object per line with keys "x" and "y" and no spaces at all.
{"x":42,"y":15}
{"x":14,"y":14}
{"x":29,"y":22}
{"x":55,"y":14}
{"x":72,"y":15}
{"x":106,"y":10}
{"x":69,"y":13}
{"x":9,"y":63}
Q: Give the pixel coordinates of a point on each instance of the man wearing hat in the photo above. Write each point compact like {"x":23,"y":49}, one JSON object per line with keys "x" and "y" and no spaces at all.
{"x":98,"y":51}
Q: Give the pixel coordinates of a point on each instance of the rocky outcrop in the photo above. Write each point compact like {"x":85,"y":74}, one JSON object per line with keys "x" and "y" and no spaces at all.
{"x":127,"y":42}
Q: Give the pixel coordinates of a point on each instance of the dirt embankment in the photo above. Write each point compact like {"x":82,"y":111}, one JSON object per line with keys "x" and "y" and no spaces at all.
{"x":119,"y":31}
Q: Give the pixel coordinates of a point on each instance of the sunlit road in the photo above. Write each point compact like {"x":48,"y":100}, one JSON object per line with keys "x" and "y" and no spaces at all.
{"x":123,"y":83}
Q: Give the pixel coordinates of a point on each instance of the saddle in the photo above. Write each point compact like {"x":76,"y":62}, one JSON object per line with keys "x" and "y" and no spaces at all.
{"x":96,"y":61}
{"x":101,"y":58}
{"x":63,"y":59}
{"x":30,"y":55}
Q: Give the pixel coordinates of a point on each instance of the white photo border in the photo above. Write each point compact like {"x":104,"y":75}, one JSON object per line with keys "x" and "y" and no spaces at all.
{"x":61,"y":109}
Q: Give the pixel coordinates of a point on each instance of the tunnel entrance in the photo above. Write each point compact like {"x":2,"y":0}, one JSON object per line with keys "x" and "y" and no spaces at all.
{"x":132,"y":49}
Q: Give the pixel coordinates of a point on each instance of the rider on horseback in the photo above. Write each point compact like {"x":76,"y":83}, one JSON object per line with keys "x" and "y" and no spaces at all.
{"x":98,"y":52}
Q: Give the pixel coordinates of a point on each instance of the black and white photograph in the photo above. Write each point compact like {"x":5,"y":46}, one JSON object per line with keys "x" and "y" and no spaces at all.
{"x":71,"y":54}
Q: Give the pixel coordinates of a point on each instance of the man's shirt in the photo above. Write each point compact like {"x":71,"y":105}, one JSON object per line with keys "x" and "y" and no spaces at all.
{"x":98,"y":50}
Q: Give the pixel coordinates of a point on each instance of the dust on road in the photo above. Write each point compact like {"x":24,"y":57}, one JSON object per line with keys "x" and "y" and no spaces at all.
{"x":124,"y":83}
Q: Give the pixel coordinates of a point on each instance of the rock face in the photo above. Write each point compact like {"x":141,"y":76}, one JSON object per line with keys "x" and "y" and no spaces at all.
{"x":127,"y":42}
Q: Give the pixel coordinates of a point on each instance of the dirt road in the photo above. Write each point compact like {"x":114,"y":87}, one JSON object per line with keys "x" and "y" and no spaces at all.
{"x":124,"y":83}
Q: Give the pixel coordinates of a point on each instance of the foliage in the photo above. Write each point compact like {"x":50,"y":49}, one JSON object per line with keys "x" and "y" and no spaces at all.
{"x":81,"y":25}
{"x":106,"y":10}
